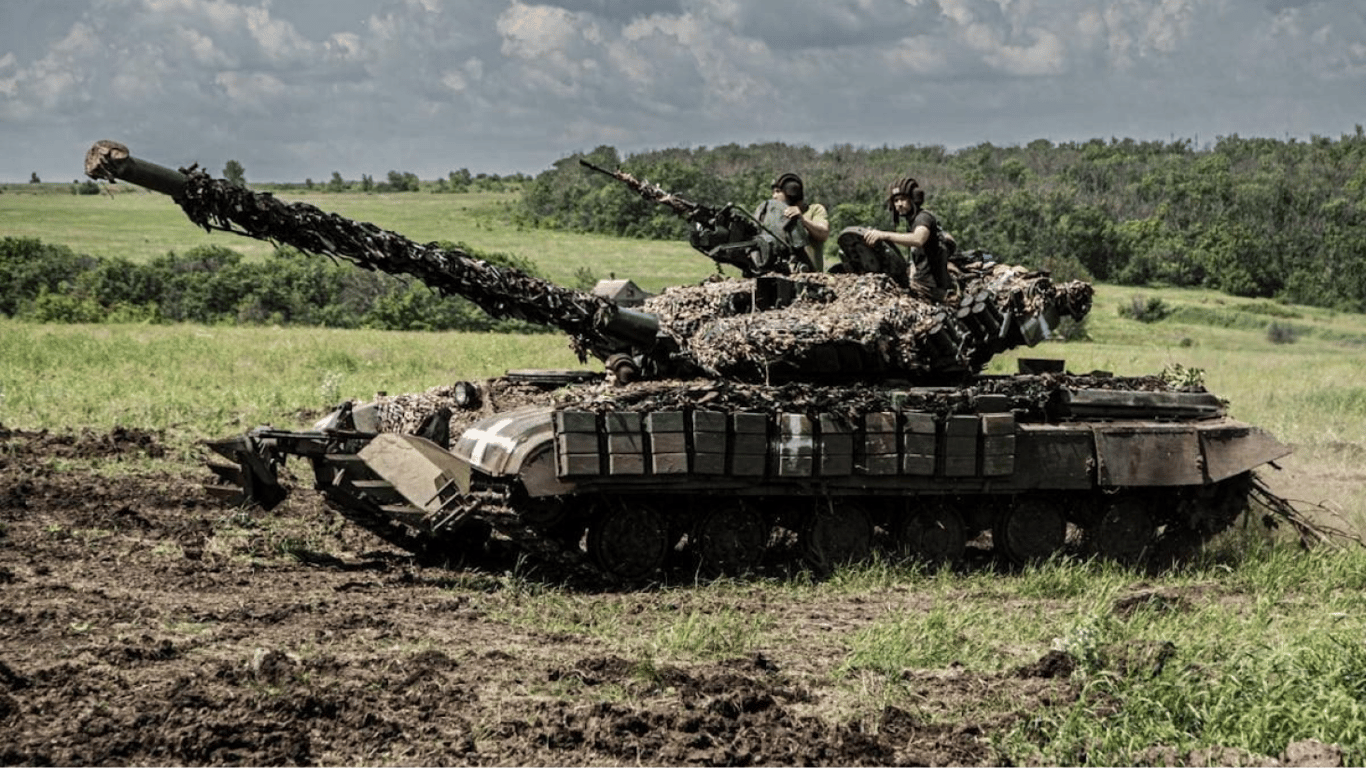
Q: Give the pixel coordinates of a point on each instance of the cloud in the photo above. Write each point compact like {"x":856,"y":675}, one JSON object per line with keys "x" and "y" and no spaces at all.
{"x":307,"y":86}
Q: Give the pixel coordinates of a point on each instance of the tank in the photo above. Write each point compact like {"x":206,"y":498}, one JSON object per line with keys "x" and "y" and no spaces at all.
{"x":746,"y":421}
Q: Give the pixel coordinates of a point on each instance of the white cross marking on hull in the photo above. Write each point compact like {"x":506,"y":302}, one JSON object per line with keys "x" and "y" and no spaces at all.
{"x":484,"y":438}
{"x":794,"y":439}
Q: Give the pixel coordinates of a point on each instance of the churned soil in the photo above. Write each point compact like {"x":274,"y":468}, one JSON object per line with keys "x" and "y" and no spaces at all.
{"x":142,"y":622}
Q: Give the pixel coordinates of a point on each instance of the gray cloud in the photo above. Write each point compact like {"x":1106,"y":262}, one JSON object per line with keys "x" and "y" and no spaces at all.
{"x":302,"y":88}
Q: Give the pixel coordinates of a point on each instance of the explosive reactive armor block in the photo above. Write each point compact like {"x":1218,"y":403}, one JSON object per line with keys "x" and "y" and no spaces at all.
{"x":783,"y":445}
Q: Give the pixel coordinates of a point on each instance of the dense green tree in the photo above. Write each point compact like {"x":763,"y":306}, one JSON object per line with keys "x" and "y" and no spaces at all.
{"x":235,"y":173}
{"x":1254,"y":217}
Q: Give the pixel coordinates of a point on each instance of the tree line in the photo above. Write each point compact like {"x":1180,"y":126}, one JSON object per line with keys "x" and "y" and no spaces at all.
{"x":394,"y":181}
{"x":1252,"y":217}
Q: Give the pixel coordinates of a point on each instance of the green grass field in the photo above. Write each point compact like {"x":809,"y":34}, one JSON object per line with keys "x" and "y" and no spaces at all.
{"x":132,"y":223}
{"x":1268,"y":638}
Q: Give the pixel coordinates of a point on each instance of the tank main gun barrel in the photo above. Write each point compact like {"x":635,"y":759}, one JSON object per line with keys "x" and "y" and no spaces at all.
{"x":595,"y":325}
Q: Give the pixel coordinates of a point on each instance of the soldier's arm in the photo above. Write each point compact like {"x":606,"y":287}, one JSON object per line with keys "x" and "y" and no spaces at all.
{"x":817,"y":223}
{"x":914,"y":239}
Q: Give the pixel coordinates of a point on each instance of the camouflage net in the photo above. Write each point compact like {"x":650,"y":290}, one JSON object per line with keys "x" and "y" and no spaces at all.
{"x":502,"y":292}
{"x":406,"y":413}
{"x":843,"y":325}
{"x":836,"y":325}
{"x":1028,"y":396}
{"x":815,"y":327}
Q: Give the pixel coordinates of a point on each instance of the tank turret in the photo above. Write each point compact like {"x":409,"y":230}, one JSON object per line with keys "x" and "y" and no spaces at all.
{"x":745,"y":420}
{"x":777,"y":323}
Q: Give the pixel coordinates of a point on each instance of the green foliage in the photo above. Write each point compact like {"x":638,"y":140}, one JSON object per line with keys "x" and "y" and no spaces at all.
{"x":400,"y":181}
{"x":584,"y":279}
{"x":215,"y":285}
{"x":1281,"y":333}
{"x":1149,"y":310}
{"x":29,"y":267}
{"x":60,"y":308}
{"x":1250,"y":217}
{"x":235,"y":173}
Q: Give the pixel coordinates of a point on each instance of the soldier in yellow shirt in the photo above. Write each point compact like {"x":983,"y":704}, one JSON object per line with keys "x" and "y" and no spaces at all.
{"x":790,"y":194}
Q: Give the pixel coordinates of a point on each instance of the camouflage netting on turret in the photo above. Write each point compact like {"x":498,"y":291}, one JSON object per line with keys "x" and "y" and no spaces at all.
{"x":842,"y":325}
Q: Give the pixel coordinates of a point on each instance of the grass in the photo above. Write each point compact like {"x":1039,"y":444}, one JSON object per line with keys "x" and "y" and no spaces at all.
{"x":199,"y":381}
{"x":1254,"y":646}
{"x":1266,"y":640}
{"x":138,"y":225}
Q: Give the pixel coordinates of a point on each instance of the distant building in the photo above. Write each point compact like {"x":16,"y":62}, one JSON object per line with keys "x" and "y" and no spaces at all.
{"x":623,"y":293}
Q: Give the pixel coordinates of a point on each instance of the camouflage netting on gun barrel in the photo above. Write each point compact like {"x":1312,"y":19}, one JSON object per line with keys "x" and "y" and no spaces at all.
{"x":502,"y":292}
{"x":818,"y":327}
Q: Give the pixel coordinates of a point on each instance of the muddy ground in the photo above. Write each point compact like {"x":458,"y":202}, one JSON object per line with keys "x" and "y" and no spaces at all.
{"x":143,"y":623}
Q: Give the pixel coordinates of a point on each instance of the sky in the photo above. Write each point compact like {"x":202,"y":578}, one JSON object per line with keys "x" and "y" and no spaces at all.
{"x":299,"y":89}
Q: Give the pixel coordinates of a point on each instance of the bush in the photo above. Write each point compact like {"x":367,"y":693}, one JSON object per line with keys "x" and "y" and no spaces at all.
{"x":1278,"y":333}
{"x":211,"y":284}
{"x":28,"y":267}
{"x":1070,"y":329}
{"x":1145,"y":310}
{"x":60,"y":308}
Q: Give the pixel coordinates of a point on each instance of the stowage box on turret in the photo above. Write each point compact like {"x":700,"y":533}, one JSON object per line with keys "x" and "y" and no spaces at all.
{"x":736,"y":416}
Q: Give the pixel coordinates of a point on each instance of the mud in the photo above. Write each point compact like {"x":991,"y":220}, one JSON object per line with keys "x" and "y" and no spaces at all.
{"x":142,"y":623}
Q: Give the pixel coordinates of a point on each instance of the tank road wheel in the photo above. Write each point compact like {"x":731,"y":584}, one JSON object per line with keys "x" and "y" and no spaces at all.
{"x":731,"y":540}
{"x":1124,"y":532}
{"x":838,"y":535}
{"x":1030,"y":530}
{"x":934,"y":534}
{"x":628,"y":542}
{"x":1176,"y":545}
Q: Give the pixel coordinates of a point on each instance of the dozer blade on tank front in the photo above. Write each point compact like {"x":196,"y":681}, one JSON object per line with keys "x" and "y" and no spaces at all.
{"x":745,"y":420}
{"x":251,"y":477}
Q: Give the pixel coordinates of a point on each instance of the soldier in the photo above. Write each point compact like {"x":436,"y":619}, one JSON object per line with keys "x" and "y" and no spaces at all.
{"x":929,"y":244}
{"x":789,"y":193}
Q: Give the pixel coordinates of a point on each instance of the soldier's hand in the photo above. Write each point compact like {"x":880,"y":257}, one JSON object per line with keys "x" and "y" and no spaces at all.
{"x":872,"y":236}
{"x":792,"y":211}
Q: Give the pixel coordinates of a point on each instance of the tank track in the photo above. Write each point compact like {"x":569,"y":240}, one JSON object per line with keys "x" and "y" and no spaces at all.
{"x":613,"y":538}
{"x":1198,"y":516}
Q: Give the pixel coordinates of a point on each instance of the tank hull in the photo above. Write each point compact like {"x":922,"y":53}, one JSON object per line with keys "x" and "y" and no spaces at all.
{"x":625,"y":484}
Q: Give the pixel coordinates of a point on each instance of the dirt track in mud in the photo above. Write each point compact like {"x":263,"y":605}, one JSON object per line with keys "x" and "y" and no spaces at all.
{"x":142,"y":623}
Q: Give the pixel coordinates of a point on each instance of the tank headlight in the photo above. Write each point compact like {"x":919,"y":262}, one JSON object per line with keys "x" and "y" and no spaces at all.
{"x":466,"y":394}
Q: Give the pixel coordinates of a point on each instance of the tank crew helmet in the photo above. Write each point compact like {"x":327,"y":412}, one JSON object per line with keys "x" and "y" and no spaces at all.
{"x":791,"y":186}
{"x":907,"y":187}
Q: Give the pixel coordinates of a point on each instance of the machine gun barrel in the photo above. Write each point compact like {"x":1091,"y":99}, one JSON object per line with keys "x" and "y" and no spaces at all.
{"x":593,"y":323}
{"x":654,"y":193}
{"x":725,"y":234}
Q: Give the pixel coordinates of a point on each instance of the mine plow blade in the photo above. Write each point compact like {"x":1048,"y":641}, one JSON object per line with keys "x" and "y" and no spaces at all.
{"x":251,"y":478}
{"x":422,"y":474}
